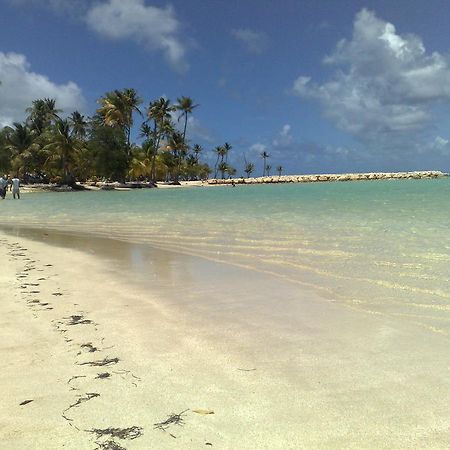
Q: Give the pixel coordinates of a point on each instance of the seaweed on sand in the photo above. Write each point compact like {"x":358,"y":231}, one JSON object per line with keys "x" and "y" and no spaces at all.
{"x":77,"y":320}
{"x":103,"y":362}
{"x":173,"y":419}
{"x":89,"y":347}
{"x":121,"y":433}
{"x":103,"y":375}
{"x":81,"y":399}
{"x":109,"y":445}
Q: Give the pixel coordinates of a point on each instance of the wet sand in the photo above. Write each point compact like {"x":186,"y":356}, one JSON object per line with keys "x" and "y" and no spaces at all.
{"x":102,"y":342}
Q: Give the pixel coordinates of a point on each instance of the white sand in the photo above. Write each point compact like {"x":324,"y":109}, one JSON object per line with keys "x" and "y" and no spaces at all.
{"x":316,"y":375}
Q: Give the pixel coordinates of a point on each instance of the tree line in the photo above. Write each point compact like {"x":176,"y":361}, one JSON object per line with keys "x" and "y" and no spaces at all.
{"x":46,"y":147}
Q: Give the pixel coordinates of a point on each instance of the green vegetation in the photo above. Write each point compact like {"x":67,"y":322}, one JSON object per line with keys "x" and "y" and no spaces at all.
{"x":264,"y":156}
{"x":49,"y":148}
{"x":249,"y":168}
{"x":52,"y":147}
{"x":221,"y":164}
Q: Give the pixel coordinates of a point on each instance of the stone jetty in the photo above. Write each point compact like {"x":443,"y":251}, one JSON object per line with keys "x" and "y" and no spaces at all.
{"x":317,"y":178}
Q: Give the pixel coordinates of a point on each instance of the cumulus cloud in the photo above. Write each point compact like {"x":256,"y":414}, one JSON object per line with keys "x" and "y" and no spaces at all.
{"x":385,"y":84}
{"x":284,"y":137}
{"x":439,"y":146}
{"x":156,"y":28}
{"x":254,"y":41}
{"x":20,"y":86}
{"x":257,"y":148}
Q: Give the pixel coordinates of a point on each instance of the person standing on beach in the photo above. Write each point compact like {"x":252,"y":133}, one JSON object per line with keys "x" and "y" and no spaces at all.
{"x":15,"y":183}
{"x":3,"y":185}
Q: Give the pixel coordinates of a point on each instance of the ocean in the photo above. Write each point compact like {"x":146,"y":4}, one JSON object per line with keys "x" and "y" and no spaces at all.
{"x":380,"y":247}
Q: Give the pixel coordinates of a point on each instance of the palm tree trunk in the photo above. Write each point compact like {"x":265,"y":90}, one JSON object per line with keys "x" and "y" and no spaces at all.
{"x":215,"y":167}
{"x":185,"y":126}
{"x":128,"y":133}
{"x":153,"y":163}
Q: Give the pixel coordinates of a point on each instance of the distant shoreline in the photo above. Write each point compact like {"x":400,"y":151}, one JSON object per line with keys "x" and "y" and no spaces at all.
{"x":312,"y":178}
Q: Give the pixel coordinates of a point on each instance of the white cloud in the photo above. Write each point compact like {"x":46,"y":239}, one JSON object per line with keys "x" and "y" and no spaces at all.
{"x":155,"y":28}
{"x":284,"y":137}
{"x":20,"y":86}
{"x":258,"y":148}
{"x":385,"y":84}
{"x":438,"y":146}
{"x":301,"y":85}
{"x":254,"y":41}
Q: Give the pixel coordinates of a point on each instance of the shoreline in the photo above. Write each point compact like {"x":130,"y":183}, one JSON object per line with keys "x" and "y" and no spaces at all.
{"x":283,"y":179}
{"x":308,"y":374}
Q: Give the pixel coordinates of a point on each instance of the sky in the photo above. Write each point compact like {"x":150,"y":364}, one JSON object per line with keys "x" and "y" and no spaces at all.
{"x":320,"y":85}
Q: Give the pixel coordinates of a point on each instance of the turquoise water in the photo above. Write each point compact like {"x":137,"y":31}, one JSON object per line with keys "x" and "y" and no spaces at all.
{"x":381,"y":247}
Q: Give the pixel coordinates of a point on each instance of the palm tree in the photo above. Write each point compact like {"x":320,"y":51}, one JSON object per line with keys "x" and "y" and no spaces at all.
{"x":231,"y":171}
{"x":42,"y":114}
{"x":20,"y":141}
{"x":222,"y":167}
{"x":226,"y":147}
{"x":268,"y":169}
{"x":178,"y":147}
{"x":222,"y":154}
{"x":117,"y":109}
{"x":79,"y":124}
{"x":249,"y":168}
{"x":140,"y":163}
{"x":196,"y":150}
{"x":264,"y":156}
{"x":145,"y":130}
{"x":279,"y":170}
{"x":218,"y":151}
{"x":62,"y":148}
{"x":83,"y":166}
{"x":186,"y":105}
{"x":52,"y":111}
{"x":160,"y":112}
{"x":132,"y":102}
{"x":19,"y":138}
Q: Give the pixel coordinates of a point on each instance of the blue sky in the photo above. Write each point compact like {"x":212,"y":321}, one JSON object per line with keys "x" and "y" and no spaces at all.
{"x":321,"y":85}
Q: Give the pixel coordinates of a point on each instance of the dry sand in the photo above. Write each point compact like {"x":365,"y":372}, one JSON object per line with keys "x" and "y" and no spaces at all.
{"x":101,"y":359}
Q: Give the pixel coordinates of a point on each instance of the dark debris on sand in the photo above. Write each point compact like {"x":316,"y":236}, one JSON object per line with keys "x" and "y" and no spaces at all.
{"x":89,"y":347}
{"x":77,"y":320}
{"x":103,"y":362}
{"x":131,"y":433}
{"x":122,"y":433}
{"x":103,"y":375}
{"x":81,"y":399}
{"x":109,"y":445}
{"x":173,"y":419}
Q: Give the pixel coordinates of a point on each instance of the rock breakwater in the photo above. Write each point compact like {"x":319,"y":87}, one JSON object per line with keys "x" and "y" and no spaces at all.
{"x":316,"y":178}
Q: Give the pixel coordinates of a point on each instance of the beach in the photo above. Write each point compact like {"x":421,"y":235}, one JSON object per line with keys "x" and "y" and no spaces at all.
{"x":166,"y":343}
{"x":323,"y":378}
{"x":224,"y":225}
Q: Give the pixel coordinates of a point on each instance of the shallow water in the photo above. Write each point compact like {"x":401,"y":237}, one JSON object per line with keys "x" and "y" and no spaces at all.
{"x":380,"y":247}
